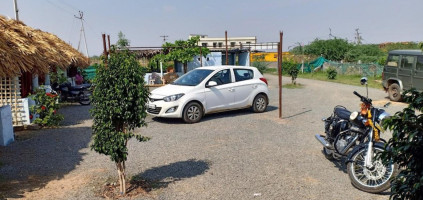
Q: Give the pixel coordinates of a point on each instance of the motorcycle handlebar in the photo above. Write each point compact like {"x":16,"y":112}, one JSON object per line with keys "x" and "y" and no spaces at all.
{"x":363,"y":99}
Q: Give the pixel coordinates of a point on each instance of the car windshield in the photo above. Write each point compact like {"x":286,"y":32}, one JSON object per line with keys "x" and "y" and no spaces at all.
{"x":193,"y":77}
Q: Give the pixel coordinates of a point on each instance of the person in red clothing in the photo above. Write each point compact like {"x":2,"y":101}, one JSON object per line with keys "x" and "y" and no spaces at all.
{"x":79,"y":79}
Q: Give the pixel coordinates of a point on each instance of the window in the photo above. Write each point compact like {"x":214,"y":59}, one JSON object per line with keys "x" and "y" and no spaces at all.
{"x":407,"y":62}
{"x":232,"y":44}
{"x":222,"y":77}
{"x":214,"y":44}
{"x":243,"y":74}
{"x":419,"y":65}
{"x":204,"y":44}
{"x":392,"y":61}
{"x":220,"y":44}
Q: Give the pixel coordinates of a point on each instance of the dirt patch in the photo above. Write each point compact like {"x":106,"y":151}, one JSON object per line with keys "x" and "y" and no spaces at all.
{"x":135,"y":188}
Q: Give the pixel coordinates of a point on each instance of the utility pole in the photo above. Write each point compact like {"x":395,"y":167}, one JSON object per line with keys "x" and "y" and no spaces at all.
{"x":330,"y":34}
{"x":358,"y":38}
{"x":16,"y":10}
{"x":82,"y":33}
{"x":164,"y":38}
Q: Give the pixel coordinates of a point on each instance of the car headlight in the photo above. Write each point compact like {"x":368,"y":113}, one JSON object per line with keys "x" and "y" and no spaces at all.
{"x":173,"y":97}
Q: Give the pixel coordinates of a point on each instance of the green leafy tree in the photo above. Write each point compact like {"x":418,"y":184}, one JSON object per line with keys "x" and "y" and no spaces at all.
{"x":399,"y":45}
{"x":406,"y":148}
{"x":367,"y":53}
{"x":119,"y":100}
{"x":259,"y":63}
{"x":334,"y":49}
{"x":122,"y":42}
{"x":182,"y":51}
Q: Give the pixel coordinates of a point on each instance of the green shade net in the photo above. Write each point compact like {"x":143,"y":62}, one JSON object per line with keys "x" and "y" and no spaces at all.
{"x":89,"y":72}
{"x":311,"y":66}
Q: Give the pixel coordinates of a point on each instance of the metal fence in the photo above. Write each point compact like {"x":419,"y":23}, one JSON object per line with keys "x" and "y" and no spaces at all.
{"x":371,"y":69}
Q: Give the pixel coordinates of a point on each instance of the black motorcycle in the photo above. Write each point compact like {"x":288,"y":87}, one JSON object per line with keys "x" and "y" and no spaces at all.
{"x":77,"y":93}
{"x":356,"y":136}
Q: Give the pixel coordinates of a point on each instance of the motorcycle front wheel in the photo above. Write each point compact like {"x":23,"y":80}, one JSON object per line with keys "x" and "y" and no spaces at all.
{"x":375,"y":179}
{"x":84,"y":97}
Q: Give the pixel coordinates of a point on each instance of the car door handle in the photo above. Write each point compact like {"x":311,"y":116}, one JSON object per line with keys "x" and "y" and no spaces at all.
{"x":254,"y":86}
{"x":231,"y":89}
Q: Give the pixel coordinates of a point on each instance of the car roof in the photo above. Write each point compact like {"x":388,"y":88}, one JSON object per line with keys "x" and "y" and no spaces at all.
{"x":225,"y":67}
{"x":407,"y":52}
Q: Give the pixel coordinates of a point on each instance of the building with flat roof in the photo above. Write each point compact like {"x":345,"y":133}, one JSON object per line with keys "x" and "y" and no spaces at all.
{"x":219,"y":43}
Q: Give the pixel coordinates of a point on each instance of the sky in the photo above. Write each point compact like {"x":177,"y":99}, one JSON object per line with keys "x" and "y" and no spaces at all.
{"x":144,"y":21}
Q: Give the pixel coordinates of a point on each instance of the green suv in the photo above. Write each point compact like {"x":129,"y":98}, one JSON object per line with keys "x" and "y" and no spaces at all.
{"x":403,"y":70}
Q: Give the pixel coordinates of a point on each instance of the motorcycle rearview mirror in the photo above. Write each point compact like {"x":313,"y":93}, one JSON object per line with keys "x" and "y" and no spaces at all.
{"x":363,"y":81}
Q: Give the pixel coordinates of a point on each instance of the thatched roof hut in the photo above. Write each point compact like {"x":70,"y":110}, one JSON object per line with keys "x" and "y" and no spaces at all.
{"x":24,"y":49}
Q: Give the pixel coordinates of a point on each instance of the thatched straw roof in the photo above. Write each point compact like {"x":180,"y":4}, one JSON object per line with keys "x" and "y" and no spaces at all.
{"x":146,"y":53}
{"x":24,"y":49}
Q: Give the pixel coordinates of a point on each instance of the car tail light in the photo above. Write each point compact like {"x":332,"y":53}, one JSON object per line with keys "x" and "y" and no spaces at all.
{"x":264,"y":80}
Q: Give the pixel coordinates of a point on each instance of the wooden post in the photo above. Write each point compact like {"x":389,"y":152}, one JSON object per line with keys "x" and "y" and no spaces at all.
{"x":280,"y":73}
{"x":226,"y":44}
{"x":108,"y":39}
{"x":105,"y":49}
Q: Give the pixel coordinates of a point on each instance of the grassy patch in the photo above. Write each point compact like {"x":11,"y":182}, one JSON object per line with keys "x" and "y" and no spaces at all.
{"x":273,"y":71}
{"x":293,"y":86}
{"x":374,"y":82}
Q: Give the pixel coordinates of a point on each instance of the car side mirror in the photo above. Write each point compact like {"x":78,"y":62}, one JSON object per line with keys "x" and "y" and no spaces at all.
{"x":211,"y":84}
{"x":363,"y":81}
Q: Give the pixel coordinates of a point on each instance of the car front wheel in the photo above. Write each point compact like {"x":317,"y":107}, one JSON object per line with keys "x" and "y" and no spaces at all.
{"x":260,"y":103}
{"x":193,"y":112}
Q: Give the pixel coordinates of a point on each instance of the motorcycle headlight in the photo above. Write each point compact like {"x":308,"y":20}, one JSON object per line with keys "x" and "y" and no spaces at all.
{"x":173,"y":97}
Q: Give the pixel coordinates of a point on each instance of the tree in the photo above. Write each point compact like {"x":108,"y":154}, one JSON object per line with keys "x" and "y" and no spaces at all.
{"x":122,"y":42}
{"x":119,"y":100}
{"x":365,"y":52}
{"x":334,"y":49}
{"x":406,"y":148}
{"x":182,"y":51}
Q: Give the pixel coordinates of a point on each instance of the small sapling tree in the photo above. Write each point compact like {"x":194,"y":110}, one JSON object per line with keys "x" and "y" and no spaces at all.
{"x":119,"y":100}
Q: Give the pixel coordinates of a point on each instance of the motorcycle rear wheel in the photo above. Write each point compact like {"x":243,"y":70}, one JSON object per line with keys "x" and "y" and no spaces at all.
{"x":374,"y":180}
{"x":84,"y":98}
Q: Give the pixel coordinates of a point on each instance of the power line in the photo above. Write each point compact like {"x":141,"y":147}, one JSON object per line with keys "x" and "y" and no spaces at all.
{"x":61,"y":8}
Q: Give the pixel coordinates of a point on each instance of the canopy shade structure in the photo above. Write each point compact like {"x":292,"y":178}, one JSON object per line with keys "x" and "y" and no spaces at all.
{"x":24,"y":49}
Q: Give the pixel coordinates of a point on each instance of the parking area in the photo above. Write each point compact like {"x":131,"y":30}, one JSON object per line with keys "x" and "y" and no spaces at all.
{"x":231,"y":155}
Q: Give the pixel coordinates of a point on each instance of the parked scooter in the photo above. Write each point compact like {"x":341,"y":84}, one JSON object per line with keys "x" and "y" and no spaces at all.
{"x":356,"y":136}
{"x":79,"y":93}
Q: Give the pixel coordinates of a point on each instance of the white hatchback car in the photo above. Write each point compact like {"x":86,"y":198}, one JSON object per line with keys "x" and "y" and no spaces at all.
{"x":210,"y":89}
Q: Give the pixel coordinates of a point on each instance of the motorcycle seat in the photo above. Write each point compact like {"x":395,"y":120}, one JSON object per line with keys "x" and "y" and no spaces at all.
{"x":342,"y":113}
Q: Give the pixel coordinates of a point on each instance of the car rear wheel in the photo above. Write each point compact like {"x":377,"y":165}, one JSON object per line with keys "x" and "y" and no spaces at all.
{"x":260,"y":103}
{"x":193,"y":112}
{"x":394,"y":92}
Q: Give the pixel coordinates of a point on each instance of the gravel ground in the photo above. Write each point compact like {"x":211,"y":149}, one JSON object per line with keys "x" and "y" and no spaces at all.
{"x":231,"y":155}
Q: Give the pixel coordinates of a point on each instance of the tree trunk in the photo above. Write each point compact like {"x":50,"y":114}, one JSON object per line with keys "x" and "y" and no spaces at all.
{"x":185,"y":68}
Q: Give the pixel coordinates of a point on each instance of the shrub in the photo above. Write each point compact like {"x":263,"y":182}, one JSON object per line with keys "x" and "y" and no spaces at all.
{"x":406,"y":148}
{"x":46,"y":107}
{"x":331,"y":73}
{"x":293,"y":72}
{"x":119,"y":106}
{"x":259,"y":63}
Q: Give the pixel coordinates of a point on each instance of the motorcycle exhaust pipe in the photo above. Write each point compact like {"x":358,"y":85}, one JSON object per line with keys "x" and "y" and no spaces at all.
{"x":323,"y":141}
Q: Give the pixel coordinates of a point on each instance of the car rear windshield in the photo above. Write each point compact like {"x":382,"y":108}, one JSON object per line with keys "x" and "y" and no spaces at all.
{"x":193,"y":77}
